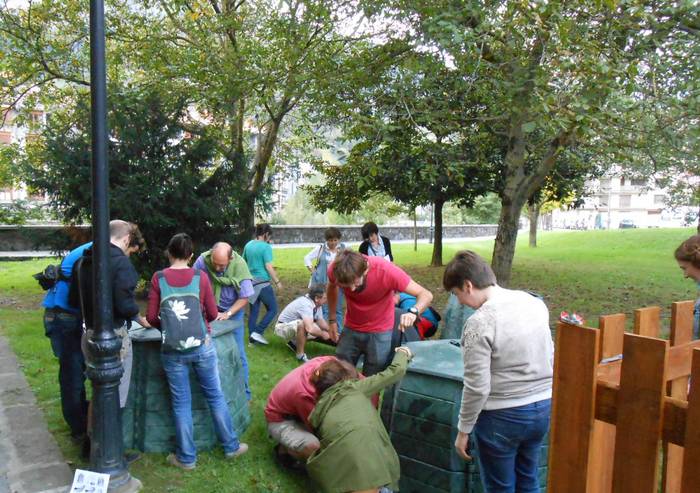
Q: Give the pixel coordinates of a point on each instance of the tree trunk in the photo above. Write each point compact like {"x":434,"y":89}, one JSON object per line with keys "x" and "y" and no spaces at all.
{"x":504,"y":246}
{"x":533,"y":211}
{"x":247,"y":221}
{"x":437,"y":245}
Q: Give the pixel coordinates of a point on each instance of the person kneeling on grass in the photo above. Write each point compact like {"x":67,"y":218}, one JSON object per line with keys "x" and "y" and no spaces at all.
{"x":355,"y":453}
{"x":302,"y":319}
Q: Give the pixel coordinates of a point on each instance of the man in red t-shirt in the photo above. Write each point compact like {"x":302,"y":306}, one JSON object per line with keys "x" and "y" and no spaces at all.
{"x":369,"y":284}
{"x":288,"y":408}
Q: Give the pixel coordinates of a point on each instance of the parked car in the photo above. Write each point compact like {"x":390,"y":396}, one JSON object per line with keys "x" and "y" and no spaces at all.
{"x":627,"y":223}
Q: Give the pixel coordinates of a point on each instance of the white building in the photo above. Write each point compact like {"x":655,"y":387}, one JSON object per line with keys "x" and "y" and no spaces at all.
{"x":11,"y":132}
{"x":620,"y":200}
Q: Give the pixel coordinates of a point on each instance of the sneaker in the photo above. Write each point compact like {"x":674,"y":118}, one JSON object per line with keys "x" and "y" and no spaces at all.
{"x":173,"y":461}
{"x":257,"y":338}
{"x":242,"y":449}
{"x":292,"y":345}
{"x":288,"y":462}
{"x":302,"y":358}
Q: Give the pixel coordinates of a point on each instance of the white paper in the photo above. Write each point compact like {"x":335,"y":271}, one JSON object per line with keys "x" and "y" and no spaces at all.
{"x":89,"y":482}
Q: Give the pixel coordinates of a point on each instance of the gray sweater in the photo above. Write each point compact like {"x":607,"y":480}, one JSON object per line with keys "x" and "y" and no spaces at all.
{"x":508,"y":351}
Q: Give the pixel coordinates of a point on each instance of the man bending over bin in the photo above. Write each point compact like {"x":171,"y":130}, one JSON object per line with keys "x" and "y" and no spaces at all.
{"x":369,"y":284}
{"x":302,"y":319}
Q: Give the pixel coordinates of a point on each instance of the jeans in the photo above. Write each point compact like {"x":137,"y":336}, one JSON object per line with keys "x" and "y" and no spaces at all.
{"x":64,"y":330}
{"x":375,"y":346}
{"x":508,"y":443}
{"x":239,"y":336}
{"x":267,"y":298}
{"x":338,"y":310}
{"x":177,"y":370}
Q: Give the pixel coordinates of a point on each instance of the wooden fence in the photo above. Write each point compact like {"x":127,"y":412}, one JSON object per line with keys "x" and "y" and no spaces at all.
{"x":622,"y":405}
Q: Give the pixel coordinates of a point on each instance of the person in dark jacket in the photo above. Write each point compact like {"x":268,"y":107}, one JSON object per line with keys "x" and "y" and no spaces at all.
{"x":373,"y":244}
{"x":125,"y":239}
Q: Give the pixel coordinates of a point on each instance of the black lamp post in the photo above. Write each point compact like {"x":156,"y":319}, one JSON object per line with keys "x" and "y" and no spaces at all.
{"x":104,"y":366}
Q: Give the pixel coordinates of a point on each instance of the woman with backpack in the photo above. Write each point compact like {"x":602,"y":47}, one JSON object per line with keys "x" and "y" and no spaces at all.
{"x":318,"y":260}
{"x":181,"y":304}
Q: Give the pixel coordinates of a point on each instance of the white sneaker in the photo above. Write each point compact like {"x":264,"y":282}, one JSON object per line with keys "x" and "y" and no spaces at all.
{"x":302,"y":358}
{"x":257,"y":338}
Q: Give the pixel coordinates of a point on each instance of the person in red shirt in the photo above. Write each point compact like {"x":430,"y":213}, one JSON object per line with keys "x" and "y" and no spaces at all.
{"x":369,"y":284}
{"x":288,"y":408}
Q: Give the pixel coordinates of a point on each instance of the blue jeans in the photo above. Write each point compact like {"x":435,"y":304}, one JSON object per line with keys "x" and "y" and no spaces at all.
{"x":375,"y":346}
{"x":508,"y":443}
{"x":205,"y":365}
{"x":267,"y":298}
{"x":338,"y":310}
{"x":239,"y":336}
{"x":64,"y":330}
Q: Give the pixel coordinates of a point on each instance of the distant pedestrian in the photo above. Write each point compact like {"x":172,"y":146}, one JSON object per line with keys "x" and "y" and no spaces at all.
{"x":258,"y":255}
{"x":688,"y":257}
{"x":507,"y":350}
{"x":373,"y":244}
{"x":318,"y":260}
{"x":181,"y":304}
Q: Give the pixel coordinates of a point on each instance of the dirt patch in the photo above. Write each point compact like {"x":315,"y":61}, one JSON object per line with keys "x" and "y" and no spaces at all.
{"x":25,"y":303}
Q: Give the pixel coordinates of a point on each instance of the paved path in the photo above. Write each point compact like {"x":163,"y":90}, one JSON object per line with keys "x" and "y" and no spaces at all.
{"x":30,"y":460}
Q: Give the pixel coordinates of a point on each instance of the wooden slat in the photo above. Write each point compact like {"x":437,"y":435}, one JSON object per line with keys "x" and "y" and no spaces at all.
{"x":647,"y":321}
{"x":612,"y":332}
{"x":681,"y":322}
{"x":640,"y":407}
{"x":573,"y":404}
{"x":681,"y":333}
{"x":690,"y":482}
{"x":600,"y":465}
{"x":674,"y":412}
{"x":678,"y":364}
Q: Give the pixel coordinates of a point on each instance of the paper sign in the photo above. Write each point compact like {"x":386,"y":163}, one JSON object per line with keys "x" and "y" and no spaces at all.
{"x":89,"y":482}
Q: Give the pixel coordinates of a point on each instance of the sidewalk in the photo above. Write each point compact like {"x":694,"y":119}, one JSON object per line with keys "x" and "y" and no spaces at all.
{"x":30,"y":460}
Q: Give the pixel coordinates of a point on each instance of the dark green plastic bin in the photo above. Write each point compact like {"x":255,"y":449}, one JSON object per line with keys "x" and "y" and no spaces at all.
{"x":147,"y":422}
{"x":421,"y":414}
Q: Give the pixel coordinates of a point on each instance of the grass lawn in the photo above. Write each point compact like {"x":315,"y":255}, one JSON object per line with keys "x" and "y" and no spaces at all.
{"x":590,"y":272}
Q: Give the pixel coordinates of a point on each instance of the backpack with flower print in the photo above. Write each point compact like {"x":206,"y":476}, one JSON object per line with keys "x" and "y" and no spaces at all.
{"x":181,"y":322}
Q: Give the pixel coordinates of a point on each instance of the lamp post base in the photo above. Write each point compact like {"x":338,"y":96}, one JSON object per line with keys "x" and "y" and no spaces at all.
{"x":125,"y":484}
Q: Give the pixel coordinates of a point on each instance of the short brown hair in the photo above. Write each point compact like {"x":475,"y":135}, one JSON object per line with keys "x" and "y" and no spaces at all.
{"x":332,"y":372}
{"x":468,"y":266}
{"x":136,"y":238}
{"x":332,"y":233}
{"x":349,"y":266}
{"x":689,"y":251}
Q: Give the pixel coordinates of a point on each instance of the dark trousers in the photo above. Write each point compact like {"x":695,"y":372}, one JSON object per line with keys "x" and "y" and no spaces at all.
{"x":64,"y":330}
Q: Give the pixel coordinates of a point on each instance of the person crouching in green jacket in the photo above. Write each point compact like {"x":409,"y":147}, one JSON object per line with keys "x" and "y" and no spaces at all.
{"x":356,"y":454}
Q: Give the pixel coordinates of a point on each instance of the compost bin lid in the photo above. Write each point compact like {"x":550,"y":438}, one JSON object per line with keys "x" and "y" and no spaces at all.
{"x":141,"y":334}
{"x":441,"y":358}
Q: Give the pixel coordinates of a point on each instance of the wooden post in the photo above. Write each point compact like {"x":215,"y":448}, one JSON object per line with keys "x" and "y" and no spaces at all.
{"x":600,"y":460}
{"x":647,"y":321}
{"x":681,"y":333}
{"x":642,"y":387}
{"x":690,"y":482}
{"x":573,"y":407}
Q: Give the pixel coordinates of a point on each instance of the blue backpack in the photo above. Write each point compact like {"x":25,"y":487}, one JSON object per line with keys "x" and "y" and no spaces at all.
{"x":181,"y":322}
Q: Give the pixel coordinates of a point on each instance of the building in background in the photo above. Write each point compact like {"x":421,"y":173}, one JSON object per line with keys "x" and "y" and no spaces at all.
{"x":620,"y":202}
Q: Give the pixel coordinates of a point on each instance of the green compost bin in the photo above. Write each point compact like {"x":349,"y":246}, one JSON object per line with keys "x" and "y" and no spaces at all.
{"x":421,"y":413}
{"x":455,"y":317}
{"x":147,"y":422}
